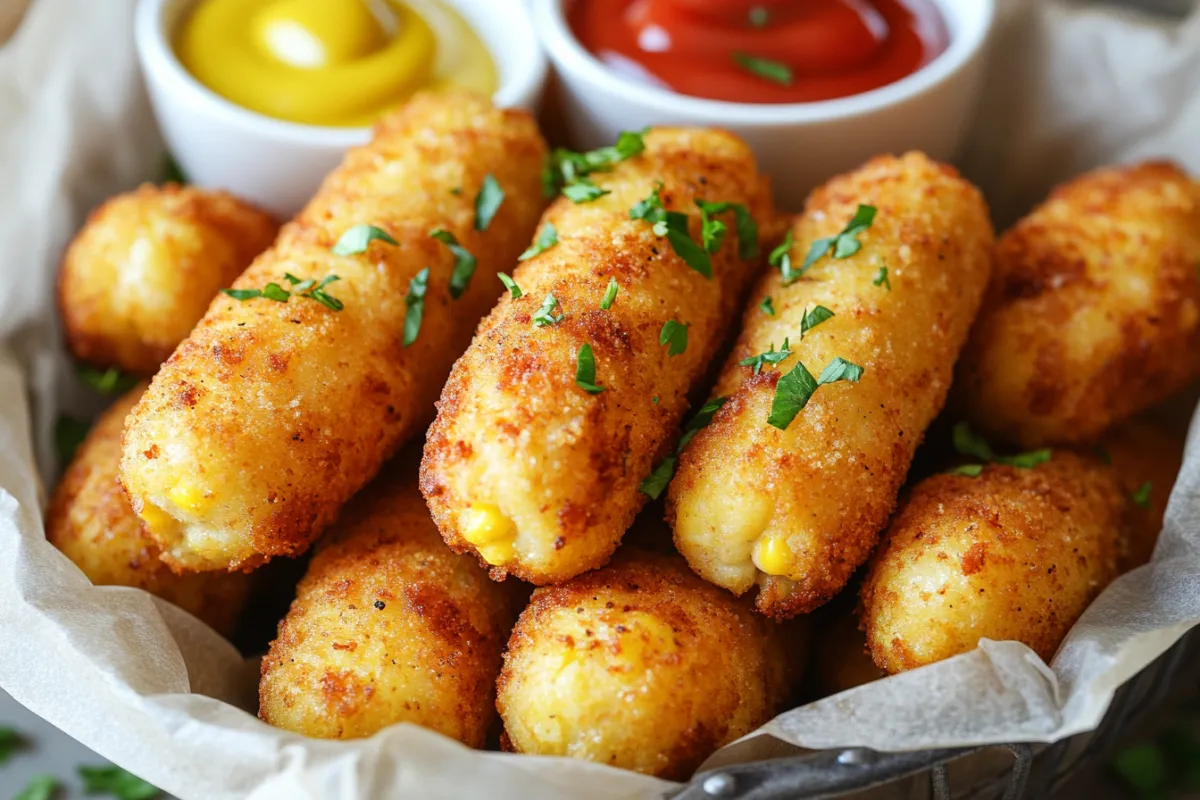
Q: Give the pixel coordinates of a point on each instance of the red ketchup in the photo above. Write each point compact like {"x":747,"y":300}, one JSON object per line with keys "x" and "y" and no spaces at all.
{"x":763,"y":51}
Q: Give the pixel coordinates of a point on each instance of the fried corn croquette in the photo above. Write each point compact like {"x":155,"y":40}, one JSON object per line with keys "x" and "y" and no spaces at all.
{"x":1011,"y":554}
{"x":1094,"y":311}
{"x":796,"y":511}
{"x":640,"y":665}
{"x":272,"y":414}
{"x":526,"y":466}
{"x":144,"y":268}
{"x":388,"y":626}
{"x":1146,"y":456}
{"x":91,"y":522}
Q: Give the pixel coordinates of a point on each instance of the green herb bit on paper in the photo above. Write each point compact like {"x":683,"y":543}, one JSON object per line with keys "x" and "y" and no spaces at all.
{"x":585,"y":370}
{"x":547,"y":238}
{"x":796,"y":388}
{"x":355,"y":240}
{"x":674,"y":336}
{"x":10,"y":742}
{"x":774,"y":71}
{"x":107,"y":382}
{"x":772,"y":356}
{"x":487,"y":202}
{"x":414,"y":302}
{"x":846,"y":243}
{"x":117,"y":782}
{"x":545,"y":315}
{"x":464,"y":262}
{"x":610,"y":294}
{"x":510,"y":284}
{"x":40,"y":787}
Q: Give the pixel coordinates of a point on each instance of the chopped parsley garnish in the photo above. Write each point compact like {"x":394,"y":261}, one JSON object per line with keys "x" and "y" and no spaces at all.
{"x":881,"y":279}
{"x":464,"y":262}
{"x":701,"y":420}
{"x":713,"y":230}
{"x":654,"y":399}
{"x":796,"y":387}
{"x":846,"y":243}
{"x":767,"y":306}
{"x":759,"y":16}
{"x":510,"y":284}
{"x":774,"y":71}
{"x":545,"y":240}
{"x":840,"y":370}
{"x":10,"y":742}
{"x":316,"y":291}
{"x":487,"y":202}
{"x":69,"y":433}
{"x":172,"y":172}
{"x":772,"y":356}
{"x":545,"y":315}
{"x":1141,"y":497}
{"x":969,"y":443}
{"x":657,"y":481}
{"x":583,"y":191}
{"x":565,"y":168}
{"x":781,"y":257}
{"x":814,"y":318}
{"x":356,"y":239}
{"x":110,"y":381}
{"x":40,"y":787}
{"x":970,"y":470}
{"x":302,"y":287}
{"x":674,"y":336}
{"x":674,"y":226}
{"x":116,"y":782}
{"x":585,"y":371}
{"x":415,"y":306}
{"x":610,"y":294}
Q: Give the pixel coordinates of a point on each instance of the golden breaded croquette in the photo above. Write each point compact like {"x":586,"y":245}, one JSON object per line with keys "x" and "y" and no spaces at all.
{"x":539,"y":471}
{"x":141,"y":272}
{"x":639,"y":665}
{"x":796,"y":506}
{"x":271,"y":415}
{"x":1011,"y":554}
{"x":1093,"y":313}
{"x":1146,"y":456}
{"x":388,"y":626}
{"x":91,"y":522}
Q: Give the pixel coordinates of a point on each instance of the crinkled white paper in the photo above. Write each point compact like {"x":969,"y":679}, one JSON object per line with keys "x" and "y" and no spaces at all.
{"x":1071,"y":87}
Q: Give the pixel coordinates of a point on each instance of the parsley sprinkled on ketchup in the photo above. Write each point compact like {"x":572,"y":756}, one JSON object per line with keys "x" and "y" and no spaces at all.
{"x":762,"y":51}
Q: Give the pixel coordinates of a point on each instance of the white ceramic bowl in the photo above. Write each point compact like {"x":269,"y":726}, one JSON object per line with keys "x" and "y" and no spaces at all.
{"x":798,"y":144}
{"x":278,"y":164}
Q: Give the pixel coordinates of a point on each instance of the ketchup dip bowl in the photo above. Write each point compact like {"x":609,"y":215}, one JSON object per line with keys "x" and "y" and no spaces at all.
{"x":799,"y":145}
{"x":276,"y":164}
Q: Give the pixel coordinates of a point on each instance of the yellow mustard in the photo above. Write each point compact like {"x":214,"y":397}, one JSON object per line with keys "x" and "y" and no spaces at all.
{"x":331,"y":62}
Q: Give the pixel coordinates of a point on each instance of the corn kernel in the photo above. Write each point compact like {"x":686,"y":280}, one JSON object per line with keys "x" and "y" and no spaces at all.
{"x":492,"y":533}
{"x":187,"y":497}
{"x":772,"y":555}
{"x":154,"y":517}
